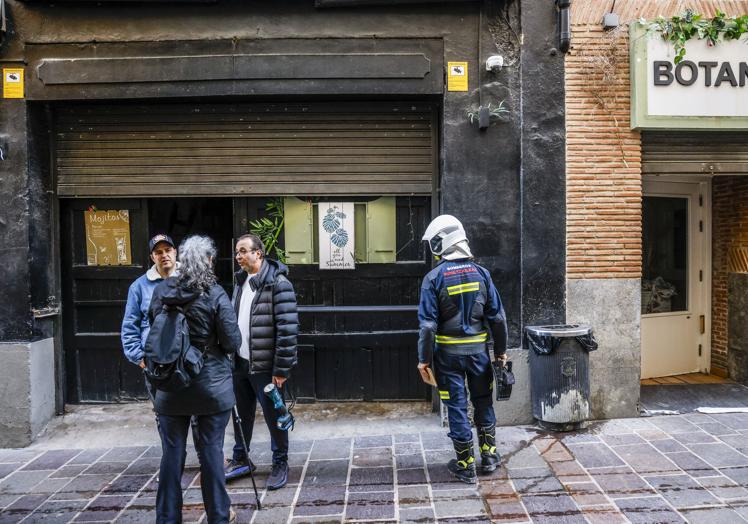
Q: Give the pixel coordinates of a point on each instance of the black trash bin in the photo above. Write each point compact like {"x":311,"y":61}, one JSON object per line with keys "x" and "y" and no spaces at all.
{"x":559,"y":374}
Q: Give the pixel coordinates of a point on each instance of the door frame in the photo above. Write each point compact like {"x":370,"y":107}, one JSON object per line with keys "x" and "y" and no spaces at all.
{"x":704,"y":185}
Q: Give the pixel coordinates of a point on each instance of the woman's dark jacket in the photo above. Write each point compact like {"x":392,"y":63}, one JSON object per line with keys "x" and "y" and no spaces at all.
{"x":213,"y":326}
{"x":274,"y":323}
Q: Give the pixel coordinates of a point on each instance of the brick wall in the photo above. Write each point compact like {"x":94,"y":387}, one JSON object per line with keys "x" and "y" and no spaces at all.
{"x":590,"y":12}
{"x":603,"y":184}
{"x":729,"y":245}
{"x":603,"y":154}
{"x":604,"y":160}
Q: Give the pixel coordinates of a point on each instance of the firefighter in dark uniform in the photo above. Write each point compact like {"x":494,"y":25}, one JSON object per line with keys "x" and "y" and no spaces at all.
{"x":460,"y":317}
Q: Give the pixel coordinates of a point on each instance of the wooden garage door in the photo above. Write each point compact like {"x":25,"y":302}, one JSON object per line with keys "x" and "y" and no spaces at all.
{"x":245,"y":149}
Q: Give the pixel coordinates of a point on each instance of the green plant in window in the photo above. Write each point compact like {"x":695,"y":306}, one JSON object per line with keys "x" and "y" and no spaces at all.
{"x":269,"y":228}
{"x":681,"y":28}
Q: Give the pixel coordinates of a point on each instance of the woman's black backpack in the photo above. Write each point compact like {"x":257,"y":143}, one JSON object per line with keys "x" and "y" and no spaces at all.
{"x":171,"y":361}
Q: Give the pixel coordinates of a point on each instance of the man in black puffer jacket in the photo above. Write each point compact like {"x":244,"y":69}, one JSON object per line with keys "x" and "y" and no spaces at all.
{"x":265,"y":305}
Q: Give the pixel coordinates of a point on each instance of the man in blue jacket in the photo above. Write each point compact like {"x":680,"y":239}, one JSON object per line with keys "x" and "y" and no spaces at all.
{"x":458,"y":307}
{"x":135,"y":324}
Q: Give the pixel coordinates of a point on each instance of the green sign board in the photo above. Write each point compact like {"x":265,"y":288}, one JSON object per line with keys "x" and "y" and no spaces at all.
{"x":707,"y":90}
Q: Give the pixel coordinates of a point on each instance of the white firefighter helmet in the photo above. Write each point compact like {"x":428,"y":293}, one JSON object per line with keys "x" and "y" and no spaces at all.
{"x":443,"y":233}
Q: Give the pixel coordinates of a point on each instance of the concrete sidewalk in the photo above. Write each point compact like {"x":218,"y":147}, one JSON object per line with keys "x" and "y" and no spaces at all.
{"x":662,"y":469}
{"x":132,"y":424}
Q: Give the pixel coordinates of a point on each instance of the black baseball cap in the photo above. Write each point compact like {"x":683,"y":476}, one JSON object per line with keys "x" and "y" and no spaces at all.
{"x":160,"y":238}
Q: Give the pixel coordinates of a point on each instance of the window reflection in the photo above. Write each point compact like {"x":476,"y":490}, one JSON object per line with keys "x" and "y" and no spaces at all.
{"x":664,"y":254}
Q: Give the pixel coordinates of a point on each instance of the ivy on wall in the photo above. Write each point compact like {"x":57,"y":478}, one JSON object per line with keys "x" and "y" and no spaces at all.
{"x":681,"y":28}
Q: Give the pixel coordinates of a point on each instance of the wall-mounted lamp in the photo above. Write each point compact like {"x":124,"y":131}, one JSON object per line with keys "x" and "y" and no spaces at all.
{"x":564,"y":25}
{"x":611,"y":20}
{"x":484,"y":116}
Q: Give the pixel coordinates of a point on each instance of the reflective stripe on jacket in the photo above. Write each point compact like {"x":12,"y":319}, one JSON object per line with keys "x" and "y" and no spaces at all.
{"x":459,"y":304}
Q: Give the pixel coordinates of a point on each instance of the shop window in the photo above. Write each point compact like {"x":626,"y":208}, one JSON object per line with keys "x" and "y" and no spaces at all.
{"x":374,"y":230}
{"x":665,"y":255}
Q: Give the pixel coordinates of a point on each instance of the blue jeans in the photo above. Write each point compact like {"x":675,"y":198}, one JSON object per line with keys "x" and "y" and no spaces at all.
{"x":452,"y":372}
{"x":210,"y":451}
{"x":249,"y":391}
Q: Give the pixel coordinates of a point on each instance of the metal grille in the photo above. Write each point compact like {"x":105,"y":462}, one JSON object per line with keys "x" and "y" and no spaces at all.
{"x":245,"y":149}
{"x":718,"y":153}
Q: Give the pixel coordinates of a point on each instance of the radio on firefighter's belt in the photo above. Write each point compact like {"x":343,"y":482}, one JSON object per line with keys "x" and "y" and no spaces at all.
{"x":285,"y":417}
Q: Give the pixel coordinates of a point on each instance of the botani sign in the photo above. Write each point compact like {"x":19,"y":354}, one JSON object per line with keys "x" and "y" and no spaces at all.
{"x":336,"y":238}
{"x":705,"y":88}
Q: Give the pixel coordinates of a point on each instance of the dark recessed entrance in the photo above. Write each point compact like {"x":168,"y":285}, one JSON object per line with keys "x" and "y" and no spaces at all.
{"x":181,"y":217}
{"x":358,"y":328}
{"x":95,"y":295}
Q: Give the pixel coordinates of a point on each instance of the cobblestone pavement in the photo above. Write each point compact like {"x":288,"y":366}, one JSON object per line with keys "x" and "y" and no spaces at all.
{"x":662,"y":469}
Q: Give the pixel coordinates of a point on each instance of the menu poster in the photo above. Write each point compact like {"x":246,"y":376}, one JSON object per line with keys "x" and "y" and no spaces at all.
{"x":108,"y":237}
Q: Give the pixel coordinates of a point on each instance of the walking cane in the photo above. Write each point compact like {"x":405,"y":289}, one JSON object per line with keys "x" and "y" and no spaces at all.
{"x":238,"y":421}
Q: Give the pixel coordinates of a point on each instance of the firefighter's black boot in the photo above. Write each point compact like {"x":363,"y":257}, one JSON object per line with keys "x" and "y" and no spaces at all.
{"x":489,"y":458}
{"x":463,"y":467}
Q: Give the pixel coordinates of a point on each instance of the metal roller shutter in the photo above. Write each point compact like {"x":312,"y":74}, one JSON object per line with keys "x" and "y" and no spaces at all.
{"x":245,"y":149}
{"x":676,"y":153}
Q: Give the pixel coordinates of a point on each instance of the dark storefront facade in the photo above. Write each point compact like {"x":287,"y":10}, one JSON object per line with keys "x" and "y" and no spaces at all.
{"x":192,"y":117}
{"x":185,"y":169}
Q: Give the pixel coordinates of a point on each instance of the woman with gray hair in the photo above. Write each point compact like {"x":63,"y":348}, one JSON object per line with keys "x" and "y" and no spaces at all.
{"x":210,"y":395}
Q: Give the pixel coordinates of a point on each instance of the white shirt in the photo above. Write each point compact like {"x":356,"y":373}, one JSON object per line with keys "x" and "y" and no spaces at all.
{"x":245,"y":312}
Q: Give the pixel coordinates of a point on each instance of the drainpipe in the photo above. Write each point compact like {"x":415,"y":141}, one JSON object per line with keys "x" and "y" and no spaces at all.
{"x":3,"y":24}
{"x":564,"y":25}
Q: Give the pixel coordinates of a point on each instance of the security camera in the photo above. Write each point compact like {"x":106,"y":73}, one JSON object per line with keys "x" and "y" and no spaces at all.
{"x":494,"y":63}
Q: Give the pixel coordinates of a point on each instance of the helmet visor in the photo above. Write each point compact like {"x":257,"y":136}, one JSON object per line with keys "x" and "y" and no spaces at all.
{"x":435,"y":244}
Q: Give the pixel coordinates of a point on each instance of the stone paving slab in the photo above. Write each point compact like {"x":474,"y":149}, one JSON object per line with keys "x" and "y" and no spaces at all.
{"x":684,"y":468}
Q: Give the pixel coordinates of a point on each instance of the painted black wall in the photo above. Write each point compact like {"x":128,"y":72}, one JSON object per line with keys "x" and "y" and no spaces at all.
{"x":480,"y":178}
{"x":26,"y":218}
{"x":15,"y":301}
{"x":42,"y":219}
{"x":506,"y":183}
{"x":543,"y":168}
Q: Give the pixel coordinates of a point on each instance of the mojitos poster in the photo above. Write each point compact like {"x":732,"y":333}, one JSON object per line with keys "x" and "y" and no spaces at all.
{"x":107,"y":237}
{"x":336,"y":238}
